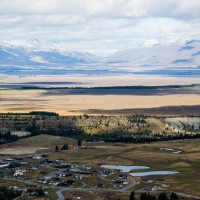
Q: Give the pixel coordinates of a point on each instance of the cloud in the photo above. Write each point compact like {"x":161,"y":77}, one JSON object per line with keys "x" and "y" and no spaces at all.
{"x":105,"y":8}
{"x":100,"y":26}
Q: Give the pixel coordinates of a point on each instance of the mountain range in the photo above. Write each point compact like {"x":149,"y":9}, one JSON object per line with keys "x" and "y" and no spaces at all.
{"x":162,"y":55}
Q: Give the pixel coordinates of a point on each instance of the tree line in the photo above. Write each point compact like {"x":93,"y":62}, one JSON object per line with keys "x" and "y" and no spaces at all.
{"x":147,"y":196}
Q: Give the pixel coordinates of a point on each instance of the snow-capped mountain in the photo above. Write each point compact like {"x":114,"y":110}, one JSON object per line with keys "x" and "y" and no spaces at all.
{"x":36,"y":52}
{"x":158,"y":56}
{"x":163,"y":53}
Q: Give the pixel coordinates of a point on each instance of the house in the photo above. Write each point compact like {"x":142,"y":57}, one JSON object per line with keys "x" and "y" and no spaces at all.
{"x":35,"y":167}
{"x":4,"y":164}
{"x":149,"y":188}
{"x":23,"y":163}
{"x":84,"y":173}
{"x":78,"y":177}
{"x":146,"y":181}
{"x":18,"y":173}
{"x":105,"y":172}
{"x":64,"y":165}
{"x":5,"y":172}
{"x":164,"y":186}
{"x":70,"y":182}
{"x":87,"y":167}
{"x":101,"y":185}
{"x":56,"y":163}
{"x":73,"y":169}
{"x":37,"y":157}
{"x":42,"y":161}
{"x":41,"y":180}
{"x":67,"y":174}
{"x":100,"y":170}
{"x":60,"y":160}
{"x":15,"y":188}
{"x":45,"y":155}
{"x":123,"y":176}
{"x":57,"y":179}
{"x":120,"y":182}
{"x":47,"y":178}
{"x":160,"y":180}
{"x":117,"y":185}
{"x":9,"y":159}
{"x":53,"y":183}
{"x":62,"y":184}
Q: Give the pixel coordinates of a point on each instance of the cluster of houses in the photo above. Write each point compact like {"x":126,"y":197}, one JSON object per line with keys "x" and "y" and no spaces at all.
{"x":66,"y":174}
{"x":154,"y":188}
{"x":66,"y":177}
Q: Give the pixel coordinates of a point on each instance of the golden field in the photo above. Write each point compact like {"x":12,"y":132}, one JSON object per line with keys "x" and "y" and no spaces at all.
{"x":172,"y":102}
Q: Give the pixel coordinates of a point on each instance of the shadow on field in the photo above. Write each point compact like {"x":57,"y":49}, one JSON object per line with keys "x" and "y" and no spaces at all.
{"x":165,"y":110}
{"x":120,"y":91}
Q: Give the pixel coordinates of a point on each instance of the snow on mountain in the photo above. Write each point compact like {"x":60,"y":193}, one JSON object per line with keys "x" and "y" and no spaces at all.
{"x":178,"y":56}
{"x":33,"y":52}
{"x":164,"y":53}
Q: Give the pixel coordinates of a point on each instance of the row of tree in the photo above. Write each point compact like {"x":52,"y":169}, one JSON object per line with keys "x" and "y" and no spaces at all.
{"x":161,"y":196}
{"x":8,"y":137}
{"x":8,"y":194}
{"x":65,"y":146}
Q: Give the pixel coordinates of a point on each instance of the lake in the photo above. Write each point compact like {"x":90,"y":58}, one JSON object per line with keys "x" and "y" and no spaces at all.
{"x":154,"y":173}
{"x":124,"y":168}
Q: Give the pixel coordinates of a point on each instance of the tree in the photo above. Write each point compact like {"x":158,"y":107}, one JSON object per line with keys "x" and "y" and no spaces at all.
{"x":132,"y":196}
{"x":162,"y":196}
{"x":56,"y":148}
{"x":65,"y":147}
{"x":173,"y":196}
{"x":40,"y":192}
{"x":79,"y":143}
{"x":143,"y":196}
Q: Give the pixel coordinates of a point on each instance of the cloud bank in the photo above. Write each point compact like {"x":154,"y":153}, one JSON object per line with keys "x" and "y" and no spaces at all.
{"x":98,"y":26}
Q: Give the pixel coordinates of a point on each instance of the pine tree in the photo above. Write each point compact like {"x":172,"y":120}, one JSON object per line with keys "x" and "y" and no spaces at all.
{"x":162,"y":196}
{"x":56,"y":148}
{"x":173,"y":196}
{"x":132,"y":196}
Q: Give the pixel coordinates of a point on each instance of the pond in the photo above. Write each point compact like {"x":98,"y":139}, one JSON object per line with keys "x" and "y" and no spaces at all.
{"x":172,"y":150}
{"x":154,"y":173}
{"x":124,"y":168}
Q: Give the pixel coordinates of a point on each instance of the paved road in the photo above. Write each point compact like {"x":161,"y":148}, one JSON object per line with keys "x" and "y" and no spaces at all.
{"x":61,"y":197}
{"x":128,"y":186}
{"x":103,"y":178}
{"x":123,"y":190}
{"x":187,"y":195}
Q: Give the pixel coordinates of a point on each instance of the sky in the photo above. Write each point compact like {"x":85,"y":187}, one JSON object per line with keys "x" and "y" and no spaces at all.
{"x":101,"y":27}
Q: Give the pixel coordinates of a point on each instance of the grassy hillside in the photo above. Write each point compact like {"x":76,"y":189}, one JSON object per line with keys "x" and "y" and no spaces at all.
{"x":45,"y":140}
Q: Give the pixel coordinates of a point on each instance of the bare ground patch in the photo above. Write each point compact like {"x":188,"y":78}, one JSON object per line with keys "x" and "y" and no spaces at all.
{"x":20,"y":151}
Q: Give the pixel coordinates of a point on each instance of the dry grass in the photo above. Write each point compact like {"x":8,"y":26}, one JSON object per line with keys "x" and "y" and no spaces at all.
{"x":45,"y":141}
{"x":70,"y":104}
{"x":37,"y":144}
{"x":180,"y":165}
{"x":187,"y":162}
{"x":94,"y":195}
